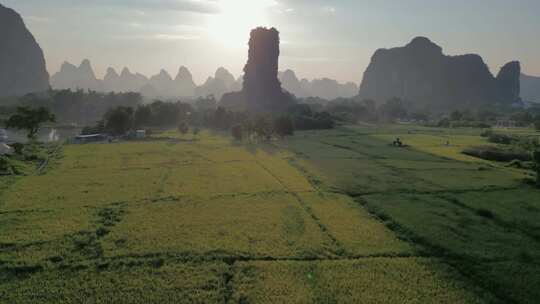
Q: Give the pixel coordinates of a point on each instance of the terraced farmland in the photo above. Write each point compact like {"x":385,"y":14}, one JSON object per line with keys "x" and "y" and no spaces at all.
{"x":323,"y":217}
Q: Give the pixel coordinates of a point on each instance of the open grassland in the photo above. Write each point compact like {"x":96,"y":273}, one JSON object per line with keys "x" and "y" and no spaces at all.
{"x":478,"y":216}
{"x":201,"y":219}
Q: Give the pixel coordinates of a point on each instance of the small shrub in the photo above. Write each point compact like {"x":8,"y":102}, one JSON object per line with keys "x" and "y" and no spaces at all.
{"x":501,"y":138}
{"x":4,"y":164}
{"x":486,"y":133}
{"x":485,"y":213}
{"x":157,"y":263}
{"x":521,"y":164}
{"x":18,"y":147}
{"x":497,"y":154}
{"x":33,"y":152}
{"x":102,"y":231}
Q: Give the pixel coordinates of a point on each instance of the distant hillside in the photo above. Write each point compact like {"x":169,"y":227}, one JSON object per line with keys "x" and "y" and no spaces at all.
{"x":22,"y":64}
{"x":324,"y":88}
{"x":530,"y":88}
{"x":421,"y":74}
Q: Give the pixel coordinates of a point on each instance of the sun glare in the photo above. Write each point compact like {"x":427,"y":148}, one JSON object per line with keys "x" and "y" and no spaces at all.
{"x":231,"y":27}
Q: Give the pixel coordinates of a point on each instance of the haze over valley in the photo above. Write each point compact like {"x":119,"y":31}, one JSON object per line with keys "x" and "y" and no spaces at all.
{"x":269,"y":151}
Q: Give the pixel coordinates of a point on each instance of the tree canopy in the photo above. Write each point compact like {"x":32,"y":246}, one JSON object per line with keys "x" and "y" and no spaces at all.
{"x":30,"y":119}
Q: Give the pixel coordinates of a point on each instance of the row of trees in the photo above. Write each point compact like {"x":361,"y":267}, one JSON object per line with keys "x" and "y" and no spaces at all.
{"x":352,"y":110}
{"x":73,"y":107}
{"x":119,"y":120}
{"x":264,"y":127}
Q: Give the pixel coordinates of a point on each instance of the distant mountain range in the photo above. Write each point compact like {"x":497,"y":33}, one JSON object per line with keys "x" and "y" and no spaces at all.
{"x":530,"y":88}
{"x":418,"y":72}
{"x":163,"y":85}
{"x":324,"y":88}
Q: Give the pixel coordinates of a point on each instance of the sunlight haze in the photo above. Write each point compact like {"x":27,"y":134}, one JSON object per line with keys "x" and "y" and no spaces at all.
{"x":319,"y":38}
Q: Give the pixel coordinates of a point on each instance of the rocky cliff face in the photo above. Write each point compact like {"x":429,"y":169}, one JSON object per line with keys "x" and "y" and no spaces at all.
{"x":530,"y":88}
{"x":261,"y":89}
{"x":22,"y":64}
{"x":421,"y":74}
{"x":508,"y":81}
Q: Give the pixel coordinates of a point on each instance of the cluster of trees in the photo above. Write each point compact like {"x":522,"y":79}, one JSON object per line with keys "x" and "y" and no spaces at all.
{"x":352,"y":110}
{"x":119,"y":120}
{"x":73,"y":107}
{"x":307,"y":117}
{"x":486,"y":118}
{"x":264,"y":127}
{"x":536,"y":158}
{"x":29,"y":119}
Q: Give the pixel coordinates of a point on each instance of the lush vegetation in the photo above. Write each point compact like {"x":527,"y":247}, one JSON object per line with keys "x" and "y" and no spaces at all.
{"x":29,"y":119}
{"x":208,"y":219}
{"x":79,"y":107}
{"x":481,"y":217}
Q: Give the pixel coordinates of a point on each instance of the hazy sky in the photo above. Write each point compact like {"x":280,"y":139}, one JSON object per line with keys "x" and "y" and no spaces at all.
{"x":319,"y":38}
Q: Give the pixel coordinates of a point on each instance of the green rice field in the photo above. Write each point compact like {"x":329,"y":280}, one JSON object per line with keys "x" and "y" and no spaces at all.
{"x":337,"y":216}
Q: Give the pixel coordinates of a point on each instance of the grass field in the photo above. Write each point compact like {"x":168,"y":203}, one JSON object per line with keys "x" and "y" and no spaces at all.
{"x":333,"y":216}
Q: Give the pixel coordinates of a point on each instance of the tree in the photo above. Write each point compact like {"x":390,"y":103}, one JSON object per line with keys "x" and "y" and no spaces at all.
{"x":522,"y":118}
{"x":393,"y":109}
{"x":284,"y":126}
{"x":249,"y":126}
{"x":143,"y":116}
{"x":221,"y":119}
{"x":164,"y":113}
{"x":456,"y":116}
{"x":536,"y":157}
{"x":119,"y":120}
{"x":237,"y":132}
{"x":30,"y":119}
{"x":263,"y":128}
{"x":300,"y":109}
{"x":183,"y":128}
{"x":537,"y":124}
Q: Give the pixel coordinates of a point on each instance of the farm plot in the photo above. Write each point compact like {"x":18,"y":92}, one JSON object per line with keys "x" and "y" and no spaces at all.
{"x":207,"y":220}
{"x":153,"y":282}
{"x":516,"y":208}
{"x":457,"y":230}
{"x":477,"y":216}
{"x":256,"y":226}
{"x":354,"y":228}
{"x":444,"y":145}
{"x":371,"y":280}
